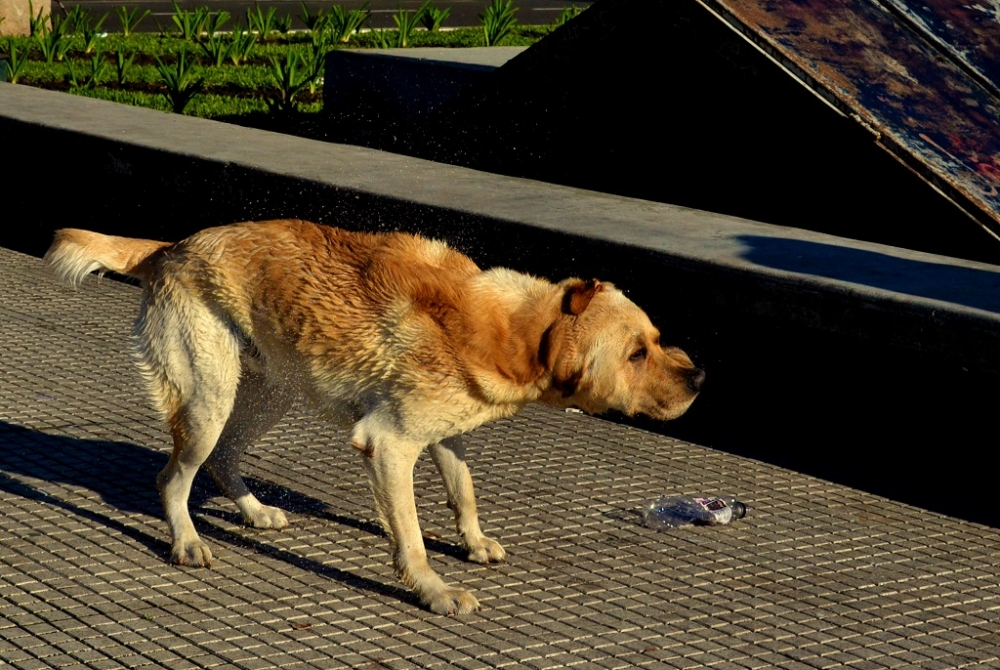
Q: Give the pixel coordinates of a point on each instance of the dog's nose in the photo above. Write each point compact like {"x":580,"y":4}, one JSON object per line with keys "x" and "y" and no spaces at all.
{"x":695,"y":378}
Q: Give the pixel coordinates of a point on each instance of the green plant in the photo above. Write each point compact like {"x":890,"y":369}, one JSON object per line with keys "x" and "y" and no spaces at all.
{"x":160,"y":30}
{"x":498,"y":21}
{"x":182,"y":81}
{"x":214,"y":22}
{"x":381,"y":38}
{"x":76,"y":19}
{"x":15,"y":62}
{"x":406,"y":23}
{"x":218,"y":49}
{"x":243,"y":42}
{"x":36,"y":22}
{"x":432,"y":17}
{"x":122,"y":64}
{"x":321,"y":34}
{"x":319,"y":25}
{"x":227,"y":90}
{"x":567,"y":15}
{"x":53,"y":42}
{"x":316,"y":62}
{"x":91,"y":33}
{"x":284,"y":24}
{"x":260,"y":21}
{"x":98,"y":67}
{"x":289,"y":76}
{"x":190,"y":24}
{"x":312,"y":21}
{"x":345,"y":23}
{"x":130,"y":20}
{"x":64,"y":25}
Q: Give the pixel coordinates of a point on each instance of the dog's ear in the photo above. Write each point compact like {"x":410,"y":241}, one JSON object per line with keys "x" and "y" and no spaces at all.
{"x":579,"y":294}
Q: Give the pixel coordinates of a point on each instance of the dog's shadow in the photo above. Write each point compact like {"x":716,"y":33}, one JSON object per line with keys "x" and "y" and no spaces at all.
{"x":123,"y":475}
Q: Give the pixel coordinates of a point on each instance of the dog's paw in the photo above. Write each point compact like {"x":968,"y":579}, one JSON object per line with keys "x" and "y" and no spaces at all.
{"x":266,"y":517}
{"x":195,"y":553}
{"x":452,"y":601}
{"x":486,"y":550}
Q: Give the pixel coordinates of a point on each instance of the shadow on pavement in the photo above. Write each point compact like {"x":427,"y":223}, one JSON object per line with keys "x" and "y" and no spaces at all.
{"x":123,"y":475}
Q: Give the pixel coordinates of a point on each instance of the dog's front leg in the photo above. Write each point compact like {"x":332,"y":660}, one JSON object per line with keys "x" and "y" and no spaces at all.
{"x":389,"y":461}
{"x":449,"y":457}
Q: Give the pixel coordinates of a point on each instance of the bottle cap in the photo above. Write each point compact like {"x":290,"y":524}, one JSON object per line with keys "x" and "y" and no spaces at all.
{"x":739,"y":509}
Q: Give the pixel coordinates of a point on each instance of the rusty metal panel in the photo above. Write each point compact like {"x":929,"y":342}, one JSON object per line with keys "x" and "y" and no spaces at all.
{"x":922,"y":78}
{"x":969,"y":32}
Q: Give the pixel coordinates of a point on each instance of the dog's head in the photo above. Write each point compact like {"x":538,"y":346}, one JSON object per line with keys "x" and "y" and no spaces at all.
{"x":604,"y":353}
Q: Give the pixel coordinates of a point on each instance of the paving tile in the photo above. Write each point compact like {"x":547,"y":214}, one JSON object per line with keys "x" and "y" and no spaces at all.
{"x":806,"y":581}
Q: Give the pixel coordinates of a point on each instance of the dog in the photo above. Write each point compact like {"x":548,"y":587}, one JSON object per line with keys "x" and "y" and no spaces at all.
{"x":401,"y":337}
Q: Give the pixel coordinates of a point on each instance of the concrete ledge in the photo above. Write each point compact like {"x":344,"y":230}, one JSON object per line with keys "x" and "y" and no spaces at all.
{"x":484,"y":59}
{"x":929,"y":303}
{"x":854,"y":362}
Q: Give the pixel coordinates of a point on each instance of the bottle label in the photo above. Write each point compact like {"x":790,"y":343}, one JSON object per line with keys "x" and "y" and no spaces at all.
{"x":712,"y":504}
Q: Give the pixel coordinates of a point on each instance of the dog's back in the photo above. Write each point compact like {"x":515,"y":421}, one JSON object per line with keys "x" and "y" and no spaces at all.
{"x":316,"y":277}
{"x":333,"y":312}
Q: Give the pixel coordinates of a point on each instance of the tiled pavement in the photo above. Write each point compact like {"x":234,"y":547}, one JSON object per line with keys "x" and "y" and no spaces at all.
{"x":817,"y":576}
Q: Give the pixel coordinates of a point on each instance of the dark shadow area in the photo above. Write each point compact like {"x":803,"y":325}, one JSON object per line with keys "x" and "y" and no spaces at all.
{"x":967,"y":286}
{"x":21,"y":489}
{"x":894,"y":423}
{"x":297,"y":503}
{"x":123,"y":475}
{"x":677,"y":109}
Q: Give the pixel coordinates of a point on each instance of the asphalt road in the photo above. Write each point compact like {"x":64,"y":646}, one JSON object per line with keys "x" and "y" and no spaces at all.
{"x":463,"y":12}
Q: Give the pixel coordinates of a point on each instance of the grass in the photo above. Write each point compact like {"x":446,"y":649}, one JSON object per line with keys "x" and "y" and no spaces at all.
{"x":133,"y":68}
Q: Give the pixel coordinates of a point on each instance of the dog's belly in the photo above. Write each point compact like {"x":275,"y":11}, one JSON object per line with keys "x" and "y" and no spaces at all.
{"x":338,"y":411}
{"x":426,"y":415}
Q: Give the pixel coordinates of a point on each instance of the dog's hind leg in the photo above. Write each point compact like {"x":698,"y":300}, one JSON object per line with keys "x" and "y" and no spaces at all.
{"x":189,"y":355}
{"x":449,"y":457}
{"x":258,"y":407}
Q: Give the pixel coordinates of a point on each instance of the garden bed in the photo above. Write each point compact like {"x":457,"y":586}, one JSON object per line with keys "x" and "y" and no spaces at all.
{"x":213,"y":65}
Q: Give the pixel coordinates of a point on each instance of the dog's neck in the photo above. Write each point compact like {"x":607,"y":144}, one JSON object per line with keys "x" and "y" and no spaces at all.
{"x":507,"y":332}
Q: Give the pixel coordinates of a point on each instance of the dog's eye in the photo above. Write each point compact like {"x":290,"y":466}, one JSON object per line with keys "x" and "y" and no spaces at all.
{"x":638,"y":355}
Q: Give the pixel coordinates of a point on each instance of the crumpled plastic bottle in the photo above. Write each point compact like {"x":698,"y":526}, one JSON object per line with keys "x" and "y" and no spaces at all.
{"x":679,"y":511}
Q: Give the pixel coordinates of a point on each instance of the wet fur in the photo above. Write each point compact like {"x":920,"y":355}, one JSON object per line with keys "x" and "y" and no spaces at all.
{"x":402,"y":338}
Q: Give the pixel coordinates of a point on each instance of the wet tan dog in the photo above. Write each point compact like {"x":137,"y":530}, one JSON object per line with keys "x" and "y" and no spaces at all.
{"x":401,"y":336}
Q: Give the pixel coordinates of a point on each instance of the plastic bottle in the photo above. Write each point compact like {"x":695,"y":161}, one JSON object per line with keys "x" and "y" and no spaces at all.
{"x":678,"y":511}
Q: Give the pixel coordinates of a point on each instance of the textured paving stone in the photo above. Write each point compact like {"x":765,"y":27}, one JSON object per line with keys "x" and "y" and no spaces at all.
{"x":817,"y":576}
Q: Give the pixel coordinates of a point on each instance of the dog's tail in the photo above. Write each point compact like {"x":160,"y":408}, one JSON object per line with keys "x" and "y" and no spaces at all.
{"x":75,"y":253}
